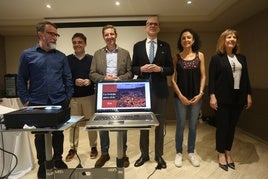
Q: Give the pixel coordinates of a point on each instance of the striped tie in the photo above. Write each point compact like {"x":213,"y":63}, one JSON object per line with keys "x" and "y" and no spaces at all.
{"x":151,"y":51}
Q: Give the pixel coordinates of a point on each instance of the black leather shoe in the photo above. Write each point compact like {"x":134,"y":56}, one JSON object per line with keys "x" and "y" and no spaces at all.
{"x":231,"y":165}
{"x":141,"y":161}
{"x":161,"y":163}
{"x":59,"y":164}
{"x":223,"y":166}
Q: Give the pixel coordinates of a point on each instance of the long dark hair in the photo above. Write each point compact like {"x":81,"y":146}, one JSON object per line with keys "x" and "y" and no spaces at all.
{"x":196,"y":44}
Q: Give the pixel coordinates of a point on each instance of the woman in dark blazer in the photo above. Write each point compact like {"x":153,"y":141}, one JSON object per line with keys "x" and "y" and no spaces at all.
{"x":230,"y":92}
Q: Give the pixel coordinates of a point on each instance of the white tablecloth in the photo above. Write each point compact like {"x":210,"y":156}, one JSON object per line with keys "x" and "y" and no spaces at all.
{"x":13,"y":103}
{"x":14,"y":142}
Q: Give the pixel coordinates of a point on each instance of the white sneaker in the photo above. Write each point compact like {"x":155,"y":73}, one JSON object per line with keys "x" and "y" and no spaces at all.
{"x":194,"y":160}
{"x":178,"y":160}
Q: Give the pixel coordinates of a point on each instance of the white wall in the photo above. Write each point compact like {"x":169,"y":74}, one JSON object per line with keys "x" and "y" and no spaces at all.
{"x":126,"y":38}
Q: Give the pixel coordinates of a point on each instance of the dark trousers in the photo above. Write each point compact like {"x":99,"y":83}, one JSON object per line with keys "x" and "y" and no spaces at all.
{"x":57,"y":144}
{"x":159,"y":108}
{"x":57,"y":139}
{"x":226,"y":120}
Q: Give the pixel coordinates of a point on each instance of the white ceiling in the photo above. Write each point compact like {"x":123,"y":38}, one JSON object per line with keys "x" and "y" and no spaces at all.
{"x":20,"y":16}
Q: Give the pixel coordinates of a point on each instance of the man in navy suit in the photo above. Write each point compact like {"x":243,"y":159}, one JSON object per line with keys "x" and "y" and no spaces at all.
{"x":155,"y":69}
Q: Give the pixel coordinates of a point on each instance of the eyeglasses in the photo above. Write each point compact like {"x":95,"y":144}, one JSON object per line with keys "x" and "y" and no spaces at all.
{"x":152,"y":24}
{"x":52,"y":34}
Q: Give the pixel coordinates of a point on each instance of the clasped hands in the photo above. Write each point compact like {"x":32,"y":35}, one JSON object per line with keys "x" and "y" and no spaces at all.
{"x":192,"y":101}
{"x":82,"y":82}
{"x":149,"y":68}
{"x":111,"y":77}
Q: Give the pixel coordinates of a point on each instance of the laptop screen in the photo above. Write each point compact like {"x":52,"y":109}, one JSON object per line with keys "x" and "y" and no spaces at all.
{"x":123,"y":96}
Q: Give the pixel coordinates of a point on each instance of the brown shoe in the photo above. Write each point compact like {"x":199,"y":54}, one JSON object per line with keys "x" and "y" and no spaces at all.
{"x":93,"y":153}
{"x":102,"y":160}
{"x":125,"y":161}
{"x":70,"y":155}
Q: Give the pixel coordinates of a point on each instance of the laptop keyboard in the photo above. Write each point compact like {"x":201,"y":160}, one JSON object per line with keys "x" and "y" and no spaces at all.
{"x":125,"y":117}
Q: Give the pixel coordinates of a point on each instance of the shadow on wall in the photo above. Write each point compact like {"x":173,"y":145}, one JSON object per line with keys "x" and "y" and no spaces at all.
{"x":254,"y":120}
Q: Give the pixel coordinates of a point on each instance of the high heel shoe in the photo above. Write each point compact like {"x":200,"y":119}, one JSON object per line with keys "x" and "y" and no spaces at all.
{"x":222,"y":159}
{"x":231,"y":165}
{"x":223,"y":166}
{"x":229,"y":158}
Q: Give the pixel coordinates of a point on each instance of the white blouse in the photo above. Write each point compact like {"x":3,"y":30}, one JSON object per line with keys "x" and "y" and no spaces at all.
{"x":236,"y":68}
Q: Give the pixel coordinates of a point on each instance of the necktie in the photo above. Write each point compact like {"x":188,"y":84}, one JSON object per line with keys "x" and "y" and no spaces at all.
{"x":151,"y":51}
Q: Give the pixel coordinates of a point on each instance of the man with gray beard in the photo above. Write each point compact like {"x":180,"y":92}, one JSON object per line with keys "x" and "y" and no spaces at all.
{"x":44,"y":78}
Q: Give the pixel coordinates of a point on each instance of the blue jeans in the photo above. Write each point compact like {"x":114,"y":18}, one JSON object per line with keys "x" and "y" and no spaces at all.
{"x":181,"y":111}
{"x":105,"y":141}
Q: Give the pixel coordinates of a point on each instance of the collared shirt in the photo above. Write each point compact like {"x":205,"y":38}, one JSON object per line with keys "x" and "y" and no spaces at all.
{"x":79,"y":58}
{"x":111,"y":58}
{"x":148,"y":43}
{"x":48,"y":75}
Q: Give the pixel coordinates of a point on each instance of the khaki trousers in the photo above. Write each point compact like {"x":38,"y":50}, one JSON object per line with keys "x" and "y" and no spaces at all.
{"x":82,"y":106}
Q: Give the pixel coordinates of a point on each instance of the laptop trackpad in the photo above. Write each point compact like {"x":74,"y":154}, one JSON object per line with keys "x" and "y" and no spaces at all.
{"x":116,"y":122}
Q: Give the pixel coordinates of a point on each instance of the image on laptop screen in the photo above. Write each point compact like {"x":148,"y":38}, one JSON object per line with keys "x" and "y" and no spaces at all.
{"x":121,"y":96}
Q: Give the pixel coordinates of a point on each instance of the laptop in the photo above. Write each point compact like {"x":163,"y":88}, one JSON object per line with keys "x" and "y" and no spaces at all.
{"x":123,"y":105}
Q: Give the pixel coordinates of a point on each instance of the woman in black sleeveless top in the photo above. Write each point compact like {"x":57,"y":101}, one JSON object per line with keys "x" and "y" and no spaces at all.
{"x":188,"y":82}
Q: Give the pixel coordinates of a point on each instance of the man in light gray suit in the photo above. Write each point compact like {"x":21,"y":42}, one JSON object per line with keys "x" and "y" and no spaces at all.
{"x":110,"y":63}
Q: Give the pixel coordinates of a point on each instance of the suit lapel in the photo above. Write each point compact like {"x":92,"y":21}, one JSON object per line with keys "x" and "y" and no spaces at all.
{"x":239,"y":59}
{"x":226,"y":63}
{"x":103,"y":59}
{"x":143,"y":50}
{"x":159,"y":49}
{"x":119,"y":58}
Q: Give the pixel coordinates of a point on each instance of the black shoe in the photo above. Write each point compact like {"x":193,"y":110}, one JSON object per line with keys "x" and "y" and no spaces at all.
{"x":59,"y":164}
{"x":223,"y":166}
{"x":41,"y":174}
{"x":231,"y":165}
{"x":161,"y":163}
{"x":141,"y":161}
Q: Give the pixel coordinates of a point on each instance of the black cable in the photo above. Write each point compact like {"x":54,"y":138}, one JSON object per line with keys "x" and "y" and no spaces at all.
{"x":152,"y":173}
{"x":5,"y":151}
{"x":3,"y":162}
{"x":16,"y":160}
{"x":79,"y":160}
{"x":158,"y":167}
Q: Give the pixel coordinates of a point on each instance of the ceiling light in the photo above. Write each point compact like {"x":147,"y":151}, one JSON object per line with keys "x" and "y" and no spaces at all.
{"x":189,"y":2}
{"x":117,"y":3}
{"x":48,"y":6}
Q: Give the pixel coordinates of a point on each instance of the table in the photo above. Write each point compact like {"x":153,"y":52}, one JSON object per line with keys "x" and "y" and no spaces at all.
{"x":48,"y":140}
{"x":81,"y":173}
{"x":12,"y":103}
{"x":19,"y":144}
